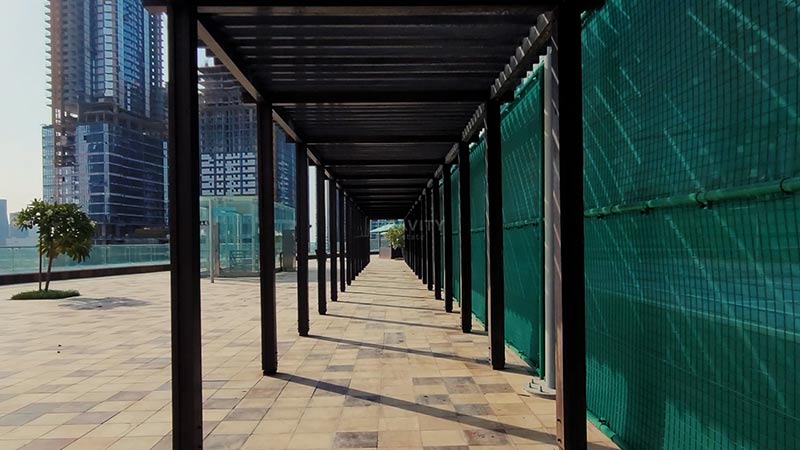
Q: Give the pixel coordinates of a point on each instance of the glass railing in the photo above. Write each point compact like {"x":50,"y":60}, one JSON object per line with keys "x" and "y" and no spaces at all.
{"x":228,"y":224}
{"x":25,"y":259}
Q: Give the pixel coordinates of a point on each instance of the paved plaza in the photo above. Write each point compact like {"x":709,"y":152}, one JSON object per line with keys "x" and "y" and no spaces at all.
{"x":385,"y":368}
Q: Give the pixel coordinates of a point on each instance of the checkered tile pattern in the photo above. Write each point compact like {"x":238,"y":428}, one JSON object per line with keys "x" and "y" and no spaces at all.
{"x":386,"y":368}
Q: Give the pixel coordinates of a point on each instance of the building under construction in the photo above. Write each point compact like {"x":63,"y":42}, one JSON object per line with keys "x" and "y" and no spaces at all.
{"x":105,"y":149}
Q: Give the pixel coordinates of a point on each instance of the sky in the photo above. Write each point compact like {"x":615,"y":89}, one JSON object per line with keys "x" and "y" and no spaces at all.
{"x":23,"y":100}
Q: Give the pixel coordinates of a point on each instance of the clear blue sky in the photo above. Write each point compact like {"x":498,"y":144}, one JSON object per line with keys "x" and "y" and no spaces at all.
{"x":23,"y":100}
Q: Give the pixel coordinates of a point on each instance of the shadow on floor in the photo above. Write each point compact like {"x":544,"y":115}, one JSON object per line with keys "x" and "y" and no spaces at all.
{"x":401,"y":350}
{"x":83,"y":303}
{"x":393,"y":322}
{"x":385,"y":305}
{"x":478,"y":422}
{"x":350,"y":291}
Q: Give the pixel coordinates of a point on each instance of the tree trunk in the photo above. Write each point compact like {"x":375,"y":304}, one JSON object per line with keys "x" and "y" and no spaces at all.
{"x":49,"y":268}
{"x":40,"y":262}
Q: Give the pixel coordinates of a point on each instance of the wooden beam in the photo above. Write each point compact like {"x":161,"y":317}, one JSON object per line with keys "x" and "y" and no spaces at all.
{"x":362,"y":7}
{"x":380,"y":140}
{"x":377,"y":97}
{"x":381,"y":163}
{"x":526,"y":55}
{"x":224,"y":53}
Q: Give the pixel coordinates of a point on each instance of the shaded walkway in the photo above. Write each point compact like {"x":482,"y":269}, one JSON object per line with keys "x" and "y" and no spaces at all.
{"x":386,"y":368}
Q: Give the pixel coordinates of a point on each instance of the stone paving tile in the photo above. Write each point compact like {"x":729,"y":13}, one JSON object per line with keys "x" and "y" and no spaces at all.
{"x":386,"y":368}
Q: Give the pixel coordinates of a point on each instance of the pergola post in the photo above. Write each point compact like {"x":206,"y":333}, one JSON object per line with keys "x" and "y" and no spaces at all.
{"x":301,"y":178}
{"x":424,"y":230}
{"x":429,"y":230}
{"x":357,"y":240}
{"x":437,"y":242}
{"x":405,"y":239}
{"x":265,"y":155}
{"x":465,"y":251}
{"x":322,"y":296}
{"x":184,"y":219}
{"x":495,"y":310}
{"x":447,"y":224}
{"x":350,"y":246}
{"x":333,"y":222}
{"x":367,"y":241}
{"x":342,"y":240}
{"x":420,"y":244}
{"x":570,"y":312}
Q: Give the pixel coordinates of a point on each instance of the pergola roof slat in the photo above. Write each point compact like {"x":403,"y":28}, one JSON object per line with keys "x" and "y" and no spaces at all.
{"x":379,"y":92}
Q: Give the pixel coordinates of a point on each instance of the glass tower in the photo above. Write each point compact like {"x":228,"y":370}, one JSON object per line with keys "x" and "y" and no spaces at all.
{"x":105,"y":148}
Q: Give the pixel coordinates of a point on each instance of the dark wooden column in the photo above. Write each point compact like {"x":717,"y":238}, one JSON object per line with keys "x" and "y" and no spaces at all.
{"x":342,"y":270}
{"x":322,"y":295}
{"x":333,"y":222}
{"x":437,"y":242}
{"x":184,"y":219}
{"x":367,"y":242}
{"x":266,"y":236}
{"x":356,"y":243}
{"x":447,"y":225}
{"x":429,"y":229}
{"x":569,"y":289}
{"x":493,"y":158}
{"x":420,"y":243}
{"x":350,"y":240}
{"x":464,"y":235}
{"x":301,"y":215}
{"x":423,"y":211}
{"x":413,"y":234}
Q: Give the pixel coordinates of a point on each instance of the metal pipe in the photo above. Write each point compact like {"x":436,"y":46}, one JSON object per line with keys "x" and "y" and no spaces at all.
{"x":785,"y":186}
{"x":550,"y":243}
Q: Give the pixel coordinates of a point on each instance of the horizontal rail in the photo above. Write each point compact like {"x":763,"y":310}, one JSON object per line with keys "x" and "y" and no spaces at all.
{"x":704,"y":199}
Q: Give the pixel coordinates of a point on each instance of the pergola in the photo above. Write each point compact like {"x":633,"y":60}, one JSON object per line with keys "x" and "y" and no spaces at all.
{"x":383,"y":97}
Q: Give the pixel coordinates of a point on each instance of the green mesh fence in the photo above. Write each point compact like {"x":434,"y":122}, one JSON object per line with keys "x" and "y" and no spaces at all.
{"x":693,"y":223}
{"x":477,"y":205}
{"x":523,"y":240}
{"x":454,"y":228}
{"x":692,"y":312}
{"x":522,"y":215}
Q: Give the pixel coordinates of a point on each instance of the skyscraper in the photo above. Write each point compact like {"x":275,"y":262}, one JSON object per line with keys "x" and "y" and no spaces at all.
{"x":4,"y":227}
{"x":228,"y":142}
{"x":105,"y":148}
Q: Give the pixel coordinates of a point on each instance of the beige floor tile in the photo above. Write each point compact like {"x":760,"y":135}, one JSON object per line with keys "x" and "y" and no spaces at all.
{"x":236,"y":427}
{"x":310,"y":440}
{"x":87,"y":443}
{"x":69,"y":431}
{"x":135,"y":443}
{"x":398,"y":423}
{"x":440,"y":438}
{"x":395,"y":439}
{"x":267,"y":442}
{"x":151,"y":429}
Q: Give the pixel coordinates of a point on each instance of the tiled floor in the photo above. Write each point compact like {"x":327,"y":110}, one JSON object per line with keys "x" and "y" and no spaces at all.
{"x":386,"y":368}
